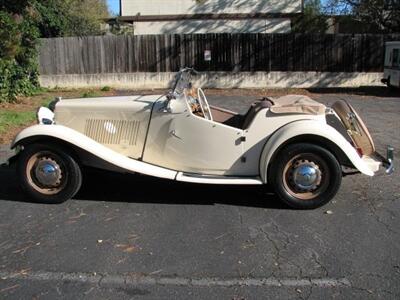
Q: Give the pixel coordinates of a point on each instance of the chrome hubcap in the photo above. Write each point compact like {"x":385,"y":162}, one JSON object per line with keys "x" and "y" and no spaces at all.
{"x":48,"y":172}
{"x":306,"y":176}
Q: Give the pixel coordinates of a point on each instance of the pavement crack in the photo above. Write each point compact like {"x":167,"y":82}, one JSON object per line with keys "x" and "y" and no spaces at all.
{"x":285,"y":246}
{"x":371,"y":290}
{"x":310,"y":292}
{"x":58,"y":290}
{"x":280,"y":241}
{"x":276,"y":248}
{"x":319,"y":263}
{"x":99,"y":282}
{"x":373,"y":210}
{"x":240,"y":216}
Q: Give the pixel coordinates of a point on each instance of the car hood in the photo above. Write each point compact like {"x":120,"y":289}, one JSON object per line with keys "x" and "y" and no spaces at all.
{"x":121,"y":123}
{"x":104,"y":102}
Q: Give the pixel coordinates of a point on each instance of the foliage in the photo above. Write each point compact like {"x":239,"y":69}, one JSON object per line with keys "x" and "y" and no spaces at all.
{"x":119,"y":27}
{"x":22,"y":22}
{"x":71,"y":17}
{"x":106,"y":89}
{"x":383,"y":15}
{"x":18,"y":50}
{"x":85,"y":17}
{"x":312,"y":20}
{"x":53,"y":17}
{"x":90,"y":94}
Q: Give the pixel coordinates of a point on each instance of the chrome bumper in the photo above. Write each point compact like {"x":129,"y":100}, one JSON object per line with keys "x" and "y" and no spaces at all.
{"x":388,"y":162}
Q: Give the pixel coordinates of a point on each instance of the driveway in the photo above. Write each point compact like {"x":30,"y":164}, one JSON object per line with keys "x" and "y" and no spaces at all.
{"x":128,"y":236}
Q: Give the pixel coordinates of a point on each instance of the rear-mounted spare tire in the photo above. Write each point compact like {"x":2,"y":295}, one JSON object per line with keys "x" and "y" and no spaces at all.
{"x":355,"y":127}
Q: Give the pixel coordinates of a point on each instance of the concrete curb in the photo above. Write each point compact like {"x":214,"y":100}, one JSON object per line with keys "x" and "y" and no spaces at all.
{"x":215,"y":80}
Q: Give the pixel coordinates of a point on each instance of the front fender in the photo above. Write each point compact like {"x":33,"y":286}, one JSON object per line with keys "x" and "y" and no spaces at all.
{"x":85,"y":143}
{"x":314,"y":128}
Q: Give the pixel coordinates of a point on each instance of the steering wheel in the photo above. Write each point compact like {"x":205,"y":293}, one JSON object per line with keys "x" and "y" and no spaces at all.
{"x":205,"y":107}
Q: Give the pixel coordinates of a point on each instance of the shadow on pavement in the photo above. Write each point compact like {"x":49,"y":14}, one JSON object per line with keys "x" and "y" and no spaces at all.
{"x":101,"y":185}
{"x":374,"y":91}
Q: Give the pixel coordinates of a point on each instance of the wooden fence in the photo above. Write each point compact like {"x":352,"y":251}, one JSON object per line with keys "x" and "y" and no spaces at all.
{"x":229,"y":52}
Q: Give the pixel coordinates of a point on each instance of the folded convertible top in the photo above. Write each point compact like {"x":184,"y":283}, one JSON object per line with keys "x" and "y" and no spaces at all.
{"x":297,"y":104}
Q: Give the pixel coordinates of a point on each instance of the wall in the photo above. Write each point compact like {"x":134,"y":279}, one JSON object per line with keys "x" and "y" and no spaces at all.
{"x":248,"y":80}
{"x":214,"y":26}
{"x":177,"y":7}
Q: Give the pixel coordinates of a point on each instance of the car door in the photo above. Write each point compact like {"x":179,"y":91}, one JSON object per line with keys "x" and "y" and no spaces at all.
{"x":184,"y":142}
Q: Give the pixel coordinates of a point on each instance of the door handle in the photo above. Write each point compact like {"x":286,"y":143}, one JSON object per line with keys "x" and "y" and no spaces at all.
{"x":173,"y":133}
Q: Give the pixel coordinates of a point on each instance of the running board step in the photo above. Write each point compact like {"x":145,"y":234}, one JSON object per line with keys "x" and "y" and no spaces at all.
{"x":207,"y":179}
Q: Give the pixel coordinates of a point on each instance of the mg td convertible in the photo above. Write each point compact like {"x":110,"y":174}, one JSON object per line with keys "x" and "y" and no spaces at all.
{"x":296,"y":145}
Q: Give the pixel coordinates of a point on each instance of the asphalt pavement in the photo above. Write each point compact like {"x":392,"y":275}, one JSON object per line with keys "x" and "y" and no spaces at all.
{"x":137,"y":237}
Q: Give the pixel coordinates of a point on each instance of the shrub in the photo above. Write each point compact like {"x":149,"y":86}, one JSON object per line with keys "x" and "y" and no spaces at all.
{"x":105,"y":89}
{"x":90,"y":94}
{"x":18,"y":55}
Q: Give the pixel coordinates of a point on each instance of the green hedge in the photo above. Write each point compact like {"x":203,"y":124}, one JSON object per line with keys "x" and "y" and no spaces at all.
{"x":19,"y":38}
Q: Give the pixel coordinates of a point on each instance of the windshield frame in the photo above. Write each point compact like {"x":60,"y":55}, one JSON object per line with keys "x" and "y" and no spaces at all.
{"x":183,"y":81}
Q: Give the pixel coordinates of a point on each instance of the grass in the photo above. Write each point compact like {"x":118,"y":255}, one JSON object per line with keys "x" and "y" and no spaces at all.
{"x":12,"y":118}
{"x":16,"y":116}
{"x":46,"y":101}
{"x":90,"y":94}
{"x":15,"y":119}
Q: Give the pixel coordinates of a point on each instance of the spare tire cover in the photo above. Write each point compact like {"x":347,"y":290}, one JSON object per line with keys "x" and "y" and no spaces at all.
{"x":355,"y":126}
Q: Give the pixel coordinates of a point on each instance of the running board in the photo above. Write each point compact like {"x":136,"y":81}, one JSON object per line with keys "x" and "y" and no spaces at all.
{"x":207,"y":179}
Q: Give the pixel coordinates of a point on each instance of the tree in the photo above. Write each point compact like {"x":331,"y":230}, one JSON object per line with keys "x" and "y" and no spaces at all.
{"x":85,"y":17}
{"x":23,"y":22}
{"x":119,"y":27}
{"x":53,"y":22}
{"x":312,"y":20}
{"x":18,"y":49}
{"x":383,"y":15}
{"x":71,"y":17}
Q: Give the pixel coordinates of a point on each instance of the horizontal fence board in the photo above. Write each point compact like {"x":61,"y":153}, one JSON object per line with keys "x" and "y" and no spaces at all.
{"x":229,"y":52}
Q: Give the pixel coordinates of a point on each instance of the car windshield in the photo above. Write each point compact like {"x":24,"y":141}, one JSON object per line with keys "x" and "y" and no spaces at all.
{"x":183,"y":81}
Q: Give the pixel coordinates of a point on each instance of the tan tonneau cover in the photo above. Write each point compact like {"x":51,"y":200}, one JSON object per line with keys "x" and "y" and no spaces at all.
{"x":297,"y":104}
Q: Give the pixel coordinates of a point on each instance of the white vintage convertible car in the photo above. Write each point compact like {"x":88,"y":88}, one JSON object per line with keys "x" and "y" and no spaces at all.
{"x":296,"y":145}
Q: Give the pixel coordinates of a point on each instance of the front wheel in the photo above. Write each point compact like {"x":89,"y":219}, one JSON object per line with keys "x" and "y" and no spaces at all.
{"x":48,"y":174}
{"x":305,"y":176}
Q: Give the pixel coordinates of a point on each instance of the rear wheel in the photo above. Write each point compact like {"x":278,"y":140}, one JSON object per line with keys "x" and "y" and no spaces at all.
{"x":48,"y":174}
{"x":305,"y":176}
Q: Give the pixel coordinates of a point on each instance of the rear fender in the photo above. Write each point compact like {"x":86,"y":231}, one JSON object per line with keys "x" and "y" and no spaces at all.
{"x":319,"y":131}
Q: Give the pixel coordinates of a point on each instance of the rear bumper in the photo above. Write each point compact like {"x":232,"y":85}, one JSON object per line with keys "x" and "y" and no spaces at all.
{"x":388,"y":162}
{"x":377,"y":160}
